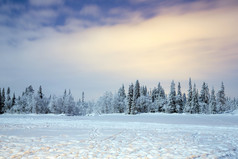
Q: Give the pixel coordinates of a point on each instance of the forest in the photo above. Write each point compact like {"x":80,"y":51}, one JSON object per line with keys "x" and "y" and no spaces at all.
{"x":137,"y":100}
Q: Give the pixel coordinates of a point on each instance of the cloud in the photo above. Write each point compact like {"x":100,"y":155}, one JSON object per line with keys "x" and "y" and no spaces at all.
{"x":90,"y":10}
{"x":40,"y":3}
{"x":140,"y":1}
{"x":9,"y":7}
{"x":188,"y":40}
{"x":170,"y":45}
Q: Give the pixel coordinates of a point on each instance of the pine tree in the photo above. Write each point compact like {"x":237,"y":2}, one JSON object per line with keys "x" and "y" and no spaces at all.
{"x":40,"y":106}
{"x":40,"y":94}
{"x":1,"y":102}
{"x":106,"y":103}
{"x":171,"y":107}
{"x":143,"y":90}
{"x":195,"y":107}
{"x":221,"y":99}
{"x":83,"y":97}
{"x":137,"y":90}
{"x":136,"y":95}
{"x":154,"y":94}
{"x":30,"y":100}
{"x":188,"y":105}
{"x":8,"y":101}
{"x":69,"y":104}
{"x":161,"y":93}
{"x":212,"y":102}
{"x":161,"y":100}
{"x":130,"y":99}
{"x":184,"y":101}
{"x":179,"y":100}
{"x":144,"y":104}
{"x":204,"y":98}
{"x":13,"y":99}
{"x":120,"y":100}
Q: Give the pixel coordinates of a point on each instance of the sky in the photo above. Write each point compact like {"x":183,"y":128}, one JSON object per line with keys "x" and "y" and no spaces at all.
{"x":97,"y":45}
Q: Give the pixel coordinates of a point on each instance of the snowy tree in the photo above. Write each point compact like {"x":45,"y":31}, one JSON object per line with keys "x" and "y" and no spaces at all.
{"x":154,"y":94}
{"x":130,"y":99}
{"x":69,"y":104}
{"x":1,"y":103}
{"x":83,"y":98}
{"x":161,"y":92}
{"x":8,"y":101}
{"x":212,"y":102}
{"x":221,"y":99}
{"x":119,"y":100}
{"x":230,"y":104}
{"x":90,"y":107}
{"x":83,"y":107}
{"x":136,"y":95}
{"x":80,"y":108}
{"x":204,"y":99}
{"x":41,"y":103}
{"x":184,"y":101}
{"x":30,"y":106}
{"x":144,"y":103}
{"x":25,"y":103}
{"x":195,"y":107}
{"x":53,"y":105}
{"x":171,"y":107}
{"x":161,"y":100}
{"x":143,"y":91}
{"x":104,"y":104}
{"x":188,"y":105}
{"x":3,"y":100}
{"x":179,"y":100}
{"x":13,"y":99}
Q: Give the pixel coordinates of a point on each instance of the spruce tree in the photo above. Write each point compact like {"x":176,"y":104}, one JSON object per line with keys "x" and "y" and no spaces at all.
{"x":8,"y":101}
{"x":143,"y":91}
{"x":122,"y":98}
{"x":204,"y":98}
{"x":136,"y":95}
{"x":30,"y":106}
{"x":179,"y":100}
{"x":195,"y":107}
{"x":1,"y":101}
{"x":184,"y":101}
{"x":40,"y":94}
{"x":171,"y":107}
{"x":137,"y":90}
{"x":161,"y":93}
{"x":122,"y":92}
{"x":212,"y":102}
{"x":188,"y":105}
{"x":83,"y":102}
{"x":13,"y":99}
{"x":130,"y":99}
{"x":40,"y":105}
{"x":154,"y":94}
{"x":221,"y":99}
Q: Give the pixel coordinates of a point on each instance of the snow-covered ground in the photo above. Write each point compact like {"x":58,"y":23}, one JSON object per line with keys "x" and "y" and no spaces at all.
{"x":119,"y":136}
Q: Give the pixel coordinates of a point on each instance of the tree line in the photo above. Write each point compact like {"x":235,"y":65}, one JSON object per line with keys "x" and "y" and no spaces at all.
{"x":137,"y":100}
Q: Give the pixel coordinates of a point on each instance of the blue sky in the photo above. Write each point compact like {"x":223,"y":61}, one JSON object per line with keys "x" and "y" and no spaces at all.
{"x":97,"y":45}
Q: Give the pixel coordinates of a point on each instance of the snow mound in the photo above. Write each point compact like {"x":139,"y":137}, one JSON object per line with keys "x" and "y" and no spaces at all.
{"x":235,"y":112}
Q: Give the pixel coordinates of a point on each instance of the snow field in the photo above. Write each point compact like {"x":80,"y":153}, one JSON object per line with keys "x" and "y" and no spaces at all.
{"x":148,"y":136}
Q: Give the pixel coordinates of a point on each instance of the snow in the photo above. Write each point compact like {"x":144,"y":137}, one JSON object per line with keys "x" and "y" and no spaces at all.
{"x":119,"y":136}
